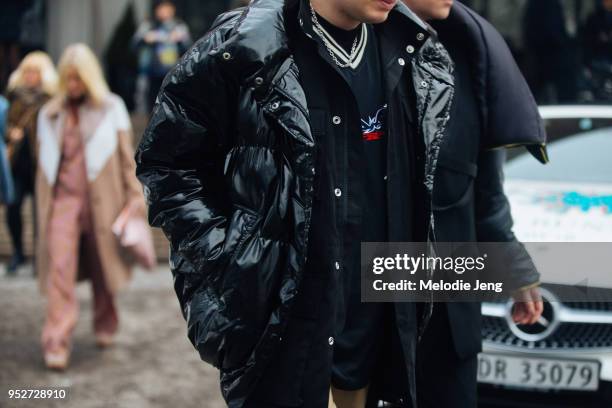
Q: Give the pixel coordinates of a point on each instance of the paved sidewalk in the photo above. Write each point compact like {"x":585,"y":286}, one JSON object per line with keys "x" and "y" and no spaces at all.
{"x":151,"y":365}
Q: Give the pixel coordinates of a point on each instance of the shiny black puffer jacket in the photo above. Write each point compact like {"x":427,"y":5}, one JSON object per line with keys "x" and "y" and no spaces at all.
{"x":228,"y":164}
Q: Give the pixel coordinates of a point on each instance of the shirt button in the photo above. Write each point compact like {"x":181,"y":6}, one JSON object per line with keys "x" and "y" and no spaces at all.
{"x":385,"y":178}
{"x":420,"y":36}
{"x":337,"y":265}
{"x":313,"y":170}
{"x":338,"y":192}
{"x":401,"y":61}
{"x":410,"y":49}
{"x":330,"y":341}
{"x":336,"y":120}
{"x":424,"y":84}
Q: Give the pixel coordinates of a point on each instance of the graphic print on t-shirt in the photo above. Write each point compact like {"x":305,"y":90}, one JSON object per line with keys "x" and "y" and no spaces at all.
{"x":373,"y":127}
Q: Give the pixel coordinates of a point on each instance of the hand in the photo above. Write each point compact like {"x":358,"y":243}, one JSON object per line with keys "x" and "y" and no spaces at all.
{"x":150,"y":37}
{"x":528,"y":306}
{"x":177,"y":36}
{"x":15,"y":134}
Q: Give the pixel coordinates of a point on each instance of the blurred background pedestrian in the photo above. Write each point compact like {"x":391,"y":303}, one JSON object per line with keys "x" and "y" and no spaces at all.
{"x":597,"y":43}
{"x":29,"y":87}
{"x":160,"y":43}
{"x":553,"y":59}
{"x":85,"y":180}
{"x":10,"y":32}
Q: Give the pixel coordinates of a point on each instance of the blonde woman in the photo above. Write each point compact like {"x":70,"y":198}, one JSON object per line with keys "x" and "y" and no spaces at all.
{"x":29,"y":87}
{"x":85,"y":179}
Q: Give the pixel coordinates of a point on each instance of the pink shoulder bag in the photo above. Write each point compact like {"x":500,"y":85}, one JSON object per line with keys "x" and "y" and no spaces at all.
{"x":135,"y":235}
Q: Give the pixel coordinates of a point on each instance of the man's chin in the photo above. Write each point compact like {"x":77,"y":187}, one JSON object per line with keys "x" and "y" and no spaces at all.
{"x":376,"y":17}
{"x":442,"y":14}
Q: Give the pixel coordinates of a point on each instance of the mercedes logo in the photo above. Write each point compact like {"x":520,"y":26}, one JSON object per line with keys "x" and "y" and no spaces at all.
{"x":545,"y":326}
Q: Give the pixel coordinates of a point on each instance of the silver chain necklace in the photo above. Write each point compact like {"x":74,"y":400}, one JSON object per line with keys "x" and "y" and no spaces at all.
{"x":318,"y":29}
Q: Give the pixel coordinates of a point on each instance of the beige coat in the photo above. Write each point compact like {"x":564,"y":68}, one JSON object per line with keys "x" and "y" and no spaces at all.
{"x":109,"y":158}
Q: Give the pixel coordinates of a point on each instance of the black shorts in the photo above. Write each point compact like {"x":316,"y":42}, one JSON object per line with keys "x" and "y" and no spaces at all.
{"x":357,"y":347}
{"x":369,"y":335}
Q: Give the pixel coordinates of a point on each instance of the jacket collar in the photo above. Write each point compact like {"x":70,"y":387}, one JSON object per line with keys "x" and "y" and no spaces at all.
{"x":91,"y":116}
{"x":402,"y":37}
{"x":259,"y":43}
{"x":508,"y":110}
{"x":403,"y":28}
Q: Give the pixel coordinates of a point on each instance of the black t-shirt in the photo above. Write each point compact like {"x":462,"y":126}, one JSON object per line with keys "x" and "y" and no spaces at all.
{"x":365,"y":79}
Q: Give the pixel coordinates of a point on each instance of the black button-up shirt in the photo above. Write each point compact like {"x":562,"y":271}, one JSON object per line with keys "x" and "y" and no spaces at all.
{"x":347,"y":210}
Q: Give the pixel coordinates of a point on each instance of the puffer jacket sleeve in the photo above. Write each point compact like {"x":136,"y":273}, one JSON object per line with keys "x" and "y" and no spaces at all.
{"x":179,"y":161}
{"x":181,"y":153}
{"x":494,"y":221}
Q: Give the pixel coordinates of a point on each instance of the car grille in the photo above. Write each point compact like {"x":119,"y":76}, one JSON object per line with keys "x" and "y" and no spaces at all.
{"x":596,"y":306}
{"x":567,"y":335}
{"x":571,"y":325}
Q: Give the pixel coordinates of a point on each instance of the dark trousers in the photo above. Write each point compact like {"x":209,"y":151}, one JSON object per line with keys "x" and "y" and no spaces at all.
{"x":14,"y":219}
{"x":444,"y":380}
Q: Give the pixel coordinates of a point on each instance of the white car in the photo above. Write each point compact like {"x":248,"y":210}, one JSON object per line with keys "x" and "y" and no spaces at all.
{"x":565,"y":360}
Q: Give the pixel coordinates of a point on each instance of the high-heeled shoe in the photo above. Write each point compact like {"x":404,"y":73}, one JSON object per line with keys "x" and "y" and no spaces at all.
{"x":104,"y":340}
{"x":57,"y":360}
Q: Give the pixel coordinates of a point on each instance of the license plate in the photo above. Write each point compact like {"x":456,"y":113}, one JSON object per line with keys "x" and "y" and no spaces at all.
{"x":531,"y":372}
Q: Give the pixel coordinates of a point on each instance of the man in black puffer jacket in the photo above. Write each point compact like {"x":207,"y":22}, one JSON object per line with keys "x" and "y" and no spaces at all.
{"x":286,"y":136}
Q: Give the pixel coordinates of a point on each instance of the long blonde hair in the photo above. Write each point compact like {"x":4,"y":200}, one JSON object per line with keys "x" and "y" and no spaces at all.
{"x":40,"y":61}
{"x":81,"y":58}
